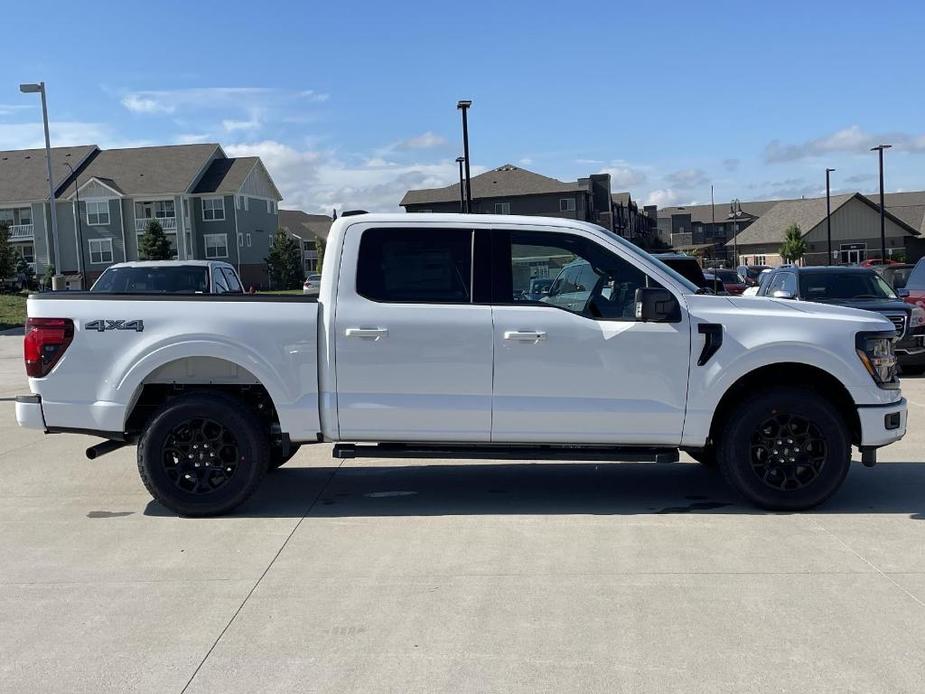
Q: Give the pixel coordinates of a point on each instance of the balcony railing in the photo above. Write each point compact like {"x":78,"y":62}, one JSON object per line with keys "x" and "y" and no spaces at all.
{"x":168,"y":224}
{"x":22,"y":231}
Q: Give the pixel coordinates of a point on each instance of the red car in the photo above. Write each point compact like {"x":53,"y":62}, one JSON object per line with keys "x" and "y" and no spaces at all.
{"x":730,"y":280}
{"x":914,"y":291}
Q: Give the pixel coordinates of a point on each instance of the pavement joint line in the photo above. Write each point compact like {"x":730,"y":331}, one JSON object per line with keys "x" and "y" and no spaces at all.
{"x":265,"y":571}
{"x":876,"y":568}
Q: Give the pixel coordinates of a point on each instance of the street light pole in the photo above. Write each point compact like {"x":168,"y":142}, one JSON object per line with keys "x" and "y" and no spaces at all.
{"x":879,"y":149}
{"x":828,"y":214}
{"x":463,"y":105}
{"x":462,"y":187}
{"x":80,"y":240}
{"x":56,"y":281}
{"x":735,"y":211}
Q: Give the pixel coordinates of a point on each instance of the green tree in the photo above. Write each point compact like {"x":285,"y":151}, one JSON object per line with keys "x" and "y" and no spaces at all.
{"x":285,"y":261}
{"x":319,"y":249}
{"x":154,"y":244}
{"x":47,"y":275}
{"x":794,"y":246}
{"x":7,"y":254}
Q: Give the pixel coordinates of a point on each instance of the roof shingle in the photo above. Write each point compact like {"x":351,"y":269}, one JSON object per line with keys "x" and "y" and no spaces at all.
{"x":24,"y":173}
{"x":505,"y":181}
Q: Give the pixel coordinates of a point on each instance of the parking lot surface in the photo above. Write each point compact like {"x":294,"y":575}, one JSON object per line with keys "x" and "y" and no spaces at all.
{"x":440,"y":576}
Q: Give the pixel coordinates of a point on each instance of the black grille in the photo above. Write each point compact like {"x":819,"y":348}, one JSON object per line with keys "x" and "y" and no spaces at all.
{"x":899,"y":320}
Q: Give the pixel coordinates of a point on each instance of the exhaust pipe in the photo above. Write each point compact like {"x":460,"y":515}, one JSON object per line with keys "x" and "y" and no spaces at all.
{"x":99,"y":449}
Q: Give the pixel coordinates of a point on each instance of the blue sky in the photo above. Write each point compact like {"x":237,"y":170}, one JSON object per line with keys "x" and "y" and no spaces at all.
{"x":350,"y":104}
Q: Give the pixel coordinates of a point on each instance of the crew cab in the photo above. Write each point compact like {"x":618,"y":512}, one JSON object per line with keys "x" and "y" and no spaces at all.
{"x":426,"y":340}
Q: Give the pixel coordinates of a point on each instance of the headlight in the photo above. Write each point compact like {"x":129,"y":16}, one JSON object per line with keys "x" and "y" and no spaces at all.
{"x":918,"y":317}
{"x":875,"y":351}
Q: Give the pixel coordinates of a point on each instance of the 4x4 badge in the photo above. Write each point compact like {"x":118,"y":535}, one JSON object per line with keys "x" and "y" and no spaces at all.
{"x":104,"y":325}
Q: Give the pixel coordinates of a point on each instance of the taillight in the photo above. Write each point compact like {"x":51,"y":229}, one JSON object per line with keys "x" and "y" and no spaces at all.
{"x":45,"y":342}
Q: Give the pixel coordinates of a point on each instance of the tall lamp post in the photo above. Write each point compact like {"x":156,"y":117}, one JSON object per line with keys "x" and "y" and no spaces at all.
{"x":735,"y":211}
{"x":80,"y":240}
{"x":462,"y":187}
{"x":879,"y":149}
{"x":828,"y":214}
{"x":57,"y":282}
{"x":463,"y":105}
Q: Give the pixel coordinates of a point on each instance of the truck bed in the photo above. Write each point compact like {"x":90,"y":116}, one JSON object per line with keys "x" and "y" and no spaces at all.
{"x":124,"y":342}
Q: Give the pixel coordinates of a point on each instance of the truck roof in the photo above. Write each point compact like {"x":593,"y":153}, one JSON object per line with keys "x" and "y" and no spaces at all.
{"x":170,"y":263}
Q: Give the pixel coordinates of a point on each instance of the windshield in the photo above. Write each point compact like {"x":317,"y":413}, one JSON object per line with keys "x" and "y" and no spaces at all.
{"x":896,"y":276}
{"x":179,"y":279}
{"x":916,"y":280}
{"x":831,"y":286}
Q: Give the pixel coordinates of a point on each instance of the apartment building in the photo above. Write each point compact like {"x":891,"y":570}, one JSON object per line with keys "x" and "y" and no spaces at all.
{"x":311,"y":230}
{"x":209,"y":205}
{"x":510,"y":189}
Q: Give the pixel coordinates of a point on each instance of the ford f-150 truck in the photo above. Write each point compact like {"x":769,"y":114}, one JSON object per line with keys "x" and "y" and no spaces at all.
{"x":426,"y":341}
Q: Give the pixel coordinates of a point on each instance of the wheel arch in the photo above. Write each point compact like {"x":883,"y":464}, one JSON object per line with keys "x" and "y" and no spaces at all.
{"x":788,"y":374}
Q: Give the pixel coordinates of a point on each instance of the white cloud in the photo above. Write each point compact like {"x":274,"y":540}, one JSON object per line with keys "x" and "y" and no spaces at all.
{"x":317,"y":181}
{"x":687,"y":178}
{"x":525,"y":161}
{"x":62,"y":134}
{"x":146,"y":104}
{"x":231,"y":126}
{"x":426,"y":140}
{"x":665,"y":197}
{"x":852,"y":140}
{"x":624,"y":176}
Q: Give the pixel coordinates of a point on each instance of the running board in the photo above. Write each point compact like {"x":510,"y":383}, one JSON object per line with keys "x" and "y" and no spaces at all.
{"x":503,"y":452}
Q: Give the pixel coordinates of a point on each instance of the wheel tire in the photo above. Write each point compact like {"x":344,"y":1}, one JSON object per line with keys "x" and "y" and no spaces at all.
{"x":706,"y":456}
{"x":277,"y":459}
{"x":178,"y":429}
{"x":755,"y":466}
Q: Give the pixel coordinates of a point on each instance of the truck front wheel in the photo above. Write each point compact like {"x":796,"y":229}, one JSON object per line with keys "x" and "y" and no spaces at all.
{"x":787,"y":449}
{"x":203,"y":454}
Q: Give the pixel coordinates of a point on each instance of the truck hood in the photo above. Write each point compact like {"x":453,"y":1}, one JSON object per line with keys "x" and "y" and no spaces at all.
{"x":713,"y":308}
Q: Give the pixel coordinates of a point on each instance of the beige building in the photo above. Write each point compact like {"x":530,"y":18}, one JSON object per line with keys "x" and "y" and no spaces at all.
{"x":855,"y":232}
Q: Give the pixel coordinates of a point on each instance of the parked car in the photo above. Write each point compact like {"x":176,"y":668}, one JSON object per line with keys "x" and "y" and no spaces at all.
{"x":538,"y":288}
{"x":417,"y":347}
{"x":169,"y":277}
{"x":732,"y":283}
{"x":762,"y":278}
{"x":878,"y":262}
{"x":896,"y":275}
{"x":856,"y":287}
{"x":750,"y":273}
{"x":914,"y":290}
{"x":312,"y":284}
{"x":688,"y":267}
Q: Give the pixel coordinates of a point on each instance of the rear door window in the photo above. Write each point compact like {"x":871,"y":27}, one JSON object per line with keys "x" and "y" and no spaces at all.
{"x":232,"y":281}
{"x":916,"y":281}
{"x":416,"y":265}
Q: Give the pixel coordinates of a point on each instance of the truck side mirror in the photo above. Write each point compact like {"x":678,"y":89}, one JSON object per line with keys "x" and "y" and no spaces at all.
{"x":902,"y":293}
{"x":782,"y":294}
{"x":656,"y":305}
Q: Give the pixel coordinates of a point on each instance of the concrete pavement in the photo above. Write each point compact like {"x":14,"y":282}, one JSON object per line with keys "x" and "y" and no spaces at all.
{"x":439,"y":576}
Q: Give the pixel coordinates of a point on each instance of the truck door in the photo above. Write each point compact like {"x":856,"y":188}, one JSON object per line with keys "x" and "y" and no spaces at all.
{"x":579,"y":368}
{"x":413,"y":355}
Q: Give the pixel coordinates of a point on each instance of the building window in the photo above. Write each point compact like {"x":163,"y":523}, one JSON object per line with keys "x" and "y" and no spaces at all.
{"x":98,"y":213}
{"x":269,"y":207}
{"x":216,"y":245}
{"x":567,"y":205}
{"x":245,"y":199}
{"x":28,"y":252}
{"x":502,"y":208}
{"x":100,"y":251}
{"x":247,"y":237}
{"x":308,"y":246}
{"x":213,"y":209}
{"x":240,"y":240}
{"x":237,"y":202}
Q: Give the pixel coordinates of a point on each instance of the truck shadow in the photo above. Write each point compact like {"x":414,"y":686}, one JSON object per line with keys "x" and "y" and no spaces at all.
{"x":372,"y":489}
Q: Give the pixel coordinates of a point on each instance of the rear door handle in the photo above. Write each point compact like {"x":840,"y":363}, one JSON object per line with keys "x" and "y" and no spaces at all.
{"x":369,"y":333}
{"x":525,"y":335}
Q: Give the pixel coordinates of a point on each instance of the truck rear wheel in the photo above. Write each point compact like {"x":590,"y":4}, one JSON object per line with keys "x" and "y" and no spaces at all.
{"x":785,"y":450}
{"x":203,"y":454}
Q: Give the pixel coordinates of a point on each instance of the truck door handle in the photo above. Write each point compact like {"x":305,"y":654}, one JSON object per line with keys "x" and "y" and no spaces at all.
{"x":525,"y":335}
{"x":369,"y":333}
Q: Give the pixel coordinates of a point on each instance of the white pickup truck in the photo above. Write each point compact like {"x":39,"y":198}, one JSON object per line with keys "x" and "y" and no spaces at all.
{"x":427,"y":339}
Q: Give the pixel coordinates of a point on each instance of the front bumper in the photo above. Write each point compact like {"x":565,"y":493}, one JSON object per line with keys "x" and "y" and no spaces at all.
{"x":29,"y":412}
{"x":875,"y":420}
